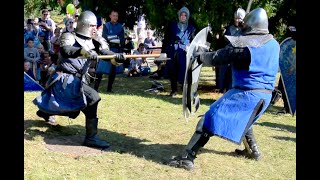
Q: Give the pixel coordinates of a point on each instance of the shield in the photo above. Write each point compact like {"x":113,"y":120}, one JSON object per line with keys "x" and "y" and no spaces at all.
{"x":193,"y":68}
{"x":287,"y":63}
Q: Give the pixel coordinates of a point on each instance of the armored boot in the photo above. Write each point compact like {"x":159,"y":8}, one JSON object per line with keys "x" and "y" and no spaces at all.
{"x":197,"y":141}
{"x":91,"y":139}
{"x":251,"y":148}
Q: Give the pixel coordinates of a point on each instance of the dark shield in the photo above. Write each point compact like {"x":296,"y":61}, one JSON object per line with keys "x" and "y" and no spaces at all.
{"x":287,"y":63}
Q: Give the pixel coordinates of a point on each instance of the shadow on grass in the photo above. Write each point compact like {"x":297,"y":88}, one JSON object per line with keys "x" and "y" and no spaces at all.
{"x":285,"y":138}
{"x":277,"y":126}
{"x":120,"y":143}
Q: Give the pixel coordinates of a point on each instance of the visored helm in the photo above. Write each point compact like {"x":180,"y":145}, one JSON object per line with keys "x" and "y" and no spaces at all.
{"x":240,"y":13}
{"x":256,"y":21}
{"x":84,"y":23}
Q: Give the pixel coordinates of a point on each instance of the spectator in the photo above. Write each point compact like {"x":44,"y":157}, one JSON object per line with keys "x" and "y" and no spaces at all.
{"x":149,"y":41}
{"x":223,"y":72}
{"x":64,"y":21}
{"x":41,"y":37}
{"x":32,"y":55}
{"x":40,"y":48}
{"x":47,"y":26}
{"x":46,"y":68}
{"x":76,"y":16}
{"x":112,"y":29}
{"x":128,"y":47}
{"x":55,"y":44}
{"x":68,"y":26}
{"x":177,"y":37}
{"x":141,"y":24}
{"x":28,"y":70}
{"x":30,"y":32}
{"x":136,"y":63}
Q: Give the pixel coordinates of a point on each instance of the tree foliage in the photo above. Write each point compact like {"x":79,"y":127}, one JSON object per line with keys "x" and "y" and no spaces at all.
{"x":160,"y":13}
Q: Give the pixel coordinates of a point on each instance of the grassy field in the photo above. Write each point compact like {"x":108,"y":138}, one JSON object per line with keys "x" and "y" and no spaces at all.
{"x":145,"y":130}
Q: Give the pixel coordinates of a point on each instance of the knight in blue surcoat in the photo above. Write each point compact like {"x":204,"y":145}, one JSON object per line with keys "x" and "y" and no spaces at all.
{"x":254,"y":59}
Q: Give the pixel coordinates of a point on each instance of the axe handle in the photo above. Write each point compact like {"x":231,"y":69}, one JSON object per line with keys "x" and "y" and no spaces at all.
{"x":129,"y":56}
{"x":249,"y":6}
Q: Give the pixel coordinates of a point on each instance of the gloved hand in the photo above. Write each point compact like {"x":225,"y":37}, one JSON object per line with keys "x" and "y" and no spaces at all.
{"x":119,"y":57}
{"x":197,"y":54}
{"x":91,"y":54}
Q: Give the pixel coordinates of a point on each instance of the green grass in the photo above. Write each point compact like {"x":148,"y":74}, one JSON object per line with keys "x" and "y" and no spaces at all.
{"x":145,"y":129}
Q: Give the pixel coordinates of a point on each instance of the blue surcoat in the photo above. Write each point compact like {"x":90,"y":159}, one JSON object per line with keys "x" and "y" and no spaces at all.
{"x":65,"y":94}
{"x":231,"y":115}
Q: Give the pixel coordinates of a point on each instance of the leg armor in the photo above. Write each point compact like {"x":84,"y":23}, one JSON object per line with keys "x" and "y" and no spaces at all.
{"x":197,"y":141}
{"x":251,"y":148}
{"x":91,"y":139}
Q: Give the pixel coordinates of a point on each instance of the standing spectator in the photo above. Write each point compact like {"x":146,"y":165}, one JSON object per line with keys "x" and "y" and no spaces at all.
{"x":141,"y":24}
{"x":64,"y":21}
{"x":30,"y":32}
{"x":127,"y":49}
{"x":223,"y":72}
{"x":112,"y":29}
{"x":177,"y":37}
{"x":55,"y":44}
{"x":149,"y":41}
{"x":68,"y":26}
{"x":32,"y":55}
{"x":47,"y":27}
{"x":36,"y":26}
{"x":76,"y":16}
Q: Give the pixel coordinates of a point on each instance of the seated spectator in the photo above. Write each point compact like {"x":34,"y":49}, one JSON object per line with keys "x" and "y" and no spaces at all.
{"x":135,"y":63}
{"x":47,"y":67}
{"x":27,"y":69}
{"x":40,"y":48}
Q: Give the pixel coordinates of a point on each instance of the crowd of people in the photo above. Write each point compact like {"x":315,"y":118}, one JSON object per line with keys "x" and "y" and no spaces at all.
{"x":42,"y":36}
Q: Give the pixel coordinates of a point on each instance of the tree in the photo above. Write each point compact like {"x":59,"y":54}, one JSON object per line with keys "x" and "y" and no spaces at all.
{"x":160,"y":13}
